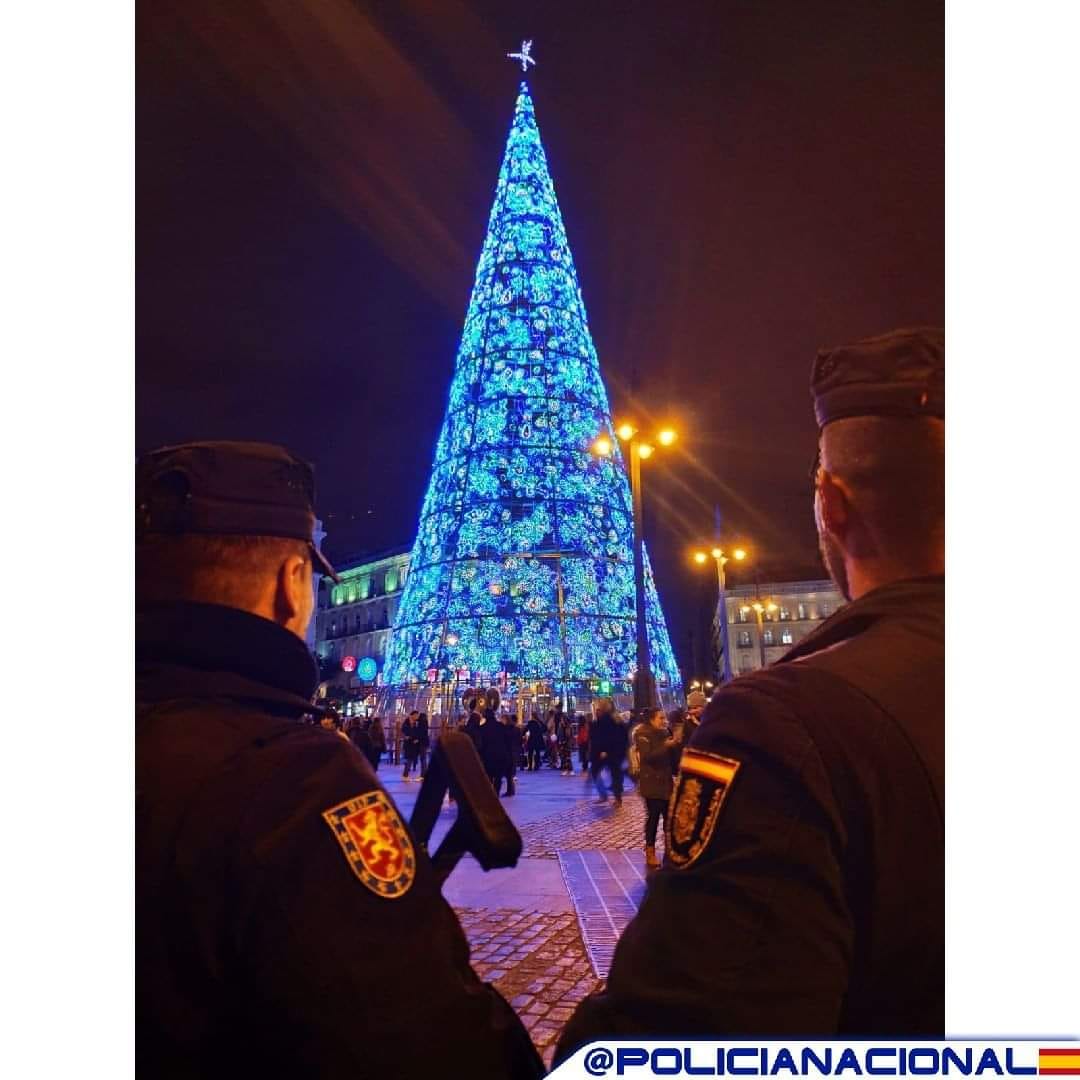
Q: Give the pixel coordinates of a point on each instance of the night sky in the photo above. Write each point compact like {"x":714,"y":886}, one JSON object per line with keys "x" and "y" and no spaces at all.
{"x":740,"y":183}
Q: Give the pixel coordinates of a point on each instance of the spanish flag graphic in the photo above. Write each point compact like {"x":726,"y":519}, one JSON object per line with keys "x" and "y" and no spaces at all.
{"x":719,"y":769}
{"x":1059,"y":1062}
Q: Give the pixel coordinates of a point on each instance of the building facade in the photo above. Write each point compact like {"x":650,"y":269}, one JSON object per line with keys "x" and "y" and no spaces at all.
{"x":791,"y":609}
{"x":353,"y":620}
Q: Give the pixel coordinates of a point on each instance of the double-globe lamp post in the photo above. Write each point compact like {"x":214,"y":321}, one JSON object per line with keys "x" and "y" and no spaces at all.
{"x":721,"y":559}
{"x":759,"y":608}
{"x":640,"y":450}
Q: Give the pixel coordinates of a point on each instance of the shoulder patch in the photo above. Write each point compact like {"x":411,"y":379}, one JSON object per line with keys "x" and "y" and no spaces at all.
{"x":700,"y":789}
{"x":375,"y":842}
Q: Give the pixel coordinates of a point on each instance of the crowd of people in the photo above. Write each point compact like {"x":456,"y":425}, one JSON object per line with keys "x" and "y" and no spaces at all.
{"x":612,"y":746}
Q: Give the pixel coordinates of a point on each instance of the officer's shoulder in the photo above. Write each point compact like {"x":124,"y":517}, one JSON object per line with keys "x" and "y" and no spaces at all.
{"x":287,"y":743}
{"x":763,"y":709}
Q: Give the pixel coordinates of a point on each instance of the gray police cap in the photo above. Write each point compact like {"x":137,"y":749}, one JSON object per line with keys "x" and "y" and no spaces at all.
{"x":230,"y":489}
{"x":901,"y":373}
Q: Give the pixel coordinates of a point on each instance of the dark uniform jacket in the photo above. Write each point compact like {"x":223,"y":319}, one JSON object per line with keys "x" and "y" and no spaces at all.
{"x":262,"y":948}
{"x":803,"y":887}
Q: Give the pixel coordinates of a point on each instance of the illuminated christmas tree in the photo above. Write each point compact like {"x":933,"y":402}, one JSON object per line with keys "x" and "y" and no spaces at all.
{"x":523,"y":560}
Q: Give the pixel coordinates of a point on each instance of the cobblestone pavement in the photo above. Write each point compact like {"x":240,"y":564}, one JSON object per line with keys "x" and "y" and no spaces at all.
{"x":587,"y":825}
{"x":537,"y":961}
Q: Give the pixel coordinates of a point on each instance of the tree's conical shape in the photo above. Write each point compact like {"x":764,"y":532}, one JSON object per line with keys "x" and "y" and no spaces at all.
{"x":518,"y":510}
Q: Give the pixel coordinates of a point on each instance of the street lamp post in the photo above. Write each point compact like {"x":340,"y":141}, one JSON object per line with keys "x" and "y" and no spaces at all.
{"x":759,"y":608}
{"x":644,"y":684}
{"x":721,"y":559}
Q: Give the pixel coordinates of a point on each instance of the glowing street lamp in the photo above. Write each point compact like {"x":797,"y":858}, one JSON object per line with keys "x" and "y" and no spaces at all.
{"x":759,"y":608}
{"x":640,"y":450}
{"x":721,"y":558}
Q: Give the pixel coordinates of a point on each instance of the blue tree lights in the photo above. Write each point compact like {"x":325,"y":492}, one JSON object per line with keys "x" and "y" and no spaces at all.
{"x":523,"y":560}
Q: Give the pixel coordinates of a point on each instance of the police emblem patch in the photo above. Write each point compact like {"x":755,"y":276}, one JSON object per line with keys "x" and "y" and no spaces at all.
{"x":700,"y":789}
{"x":375,"y":842}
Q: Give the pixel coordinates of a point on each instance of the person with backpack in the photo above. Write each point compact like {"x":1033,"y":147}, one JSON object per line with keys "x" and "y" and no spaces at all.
{"x":653,"y":757}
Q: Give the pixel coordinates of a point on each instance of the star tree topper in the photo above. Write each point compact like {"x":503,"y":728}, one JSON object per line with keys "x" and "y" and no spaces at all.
{"x":525,"y":56}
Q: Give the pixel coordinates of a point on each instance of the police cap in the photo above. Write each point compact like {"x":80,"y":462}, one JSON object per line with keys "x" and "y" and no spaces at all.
{"x":901,"y":373}
{"x":230,"y":489}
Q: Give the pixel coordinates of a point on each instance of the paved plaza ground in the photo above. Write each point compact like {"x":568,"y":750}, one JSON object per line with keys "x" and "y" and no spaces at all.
{"x":544,"y":932}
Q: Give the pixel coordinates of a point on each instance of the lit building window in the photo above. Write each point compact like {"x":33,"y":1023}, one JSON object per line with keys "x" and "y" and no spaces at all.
{"x":391,"y":580}
{"x":801,"y":611}
{"x":786,"y":637}
{"x":785,"y":614}
{"x":744,"y":639}
{"x":365,"y":586}
{"x":768,"y":637}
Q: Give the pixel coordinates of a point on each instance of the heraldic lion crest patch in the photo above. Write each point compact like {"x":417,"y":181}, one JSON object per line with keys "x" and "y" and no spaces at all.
{"x":375,"y":842}
{"x":700,"y":789}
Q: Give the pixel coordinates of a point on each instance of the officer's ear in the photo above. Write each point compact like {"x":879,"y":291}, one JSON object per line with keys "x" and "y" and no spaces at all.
{"x":832,"y":505}
{"x":293,"y":600}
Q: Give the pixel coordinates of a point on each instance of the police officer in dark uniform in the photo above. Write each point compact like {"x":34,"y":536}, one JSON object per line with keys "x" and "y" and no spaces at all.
{"x":285,"y":915}
{"x":803,"y":888}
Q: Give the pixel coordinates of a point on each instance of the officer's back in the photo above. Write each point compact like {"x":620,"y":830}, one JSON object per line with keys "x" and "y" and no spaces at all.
{"x":803,"y":888}
{"x":285,"y":918}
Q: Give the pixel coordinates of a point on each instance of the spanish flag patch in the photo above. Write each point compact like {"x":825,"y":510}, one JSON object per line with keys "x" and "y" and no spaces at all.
{"x":700,"y":789}
{"x":1059,"y":1062}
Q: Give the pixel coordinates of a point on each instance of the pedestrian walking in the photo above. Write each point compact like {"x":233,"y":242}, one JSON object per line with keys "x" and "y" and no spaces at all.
{"x":423,"y":742}
{"x":410,"y":743}
{"x":472,"y":725}
{"x":378,"y":741}
{"x":535,"y":732}
{"x":264,"y":910}
{"x":360,"y":737}
{"x":551,"y":740}
{"x":805,"y":871}
{"x":656,"y":749}
{"x":608,"y":742}
{"x":583,"y":742}
{"x":494,"y":747}
{"x":566,"y":745}
{"x":512,"y":735}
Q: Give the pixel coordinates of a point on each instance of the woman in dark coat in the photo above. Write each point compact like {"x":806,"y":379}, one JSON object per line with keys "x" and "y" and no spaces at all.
{"x":472,"y":726}
{"x":657,"y":753}
{"x":494,"y":749}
